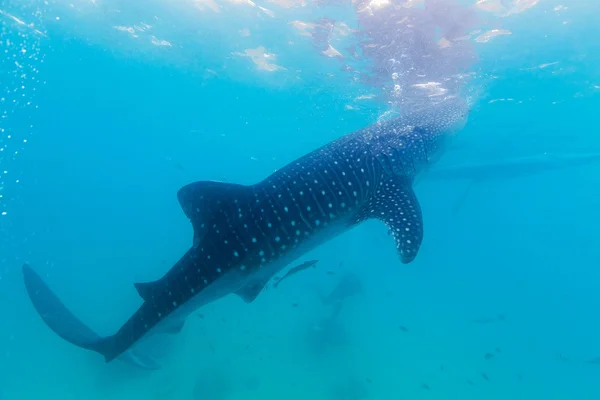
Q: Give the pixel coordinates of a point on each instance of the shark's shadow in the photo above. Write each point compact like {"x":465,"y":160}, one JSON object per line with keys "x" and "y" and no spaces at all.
{"x":330,"y":333}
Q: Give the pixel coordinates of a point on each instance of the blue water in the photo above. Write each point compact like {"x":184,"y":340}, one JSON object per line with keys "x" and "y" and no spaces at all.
{"x":100,"y":129}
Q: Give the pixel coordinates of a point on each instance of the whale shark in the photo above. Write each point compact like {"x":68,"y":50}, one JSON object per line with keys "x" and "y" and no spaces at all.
{"x":245,"y":234}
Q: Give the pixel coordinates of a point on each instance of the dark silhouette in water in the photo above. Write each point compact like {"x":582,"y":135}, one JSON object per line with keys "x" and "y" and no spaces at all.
{"x":330,"y":332}
{"x":213,"y":383}
{"x":244,"y":235}
{"x":348,"y":285}
{"x":489,"y":320}
{"x":507,"y":169}
{"x":353,"y":389}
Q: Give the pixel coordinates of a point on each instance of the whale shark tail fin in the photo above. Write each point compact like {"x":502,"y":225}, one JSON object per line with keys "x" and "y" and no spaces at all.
{"x":66,"y":325}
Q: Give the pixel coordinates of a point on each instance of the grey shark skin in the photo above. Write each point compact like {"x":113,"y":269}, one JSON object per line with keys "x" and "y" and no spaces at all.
{"x":244,"y":235}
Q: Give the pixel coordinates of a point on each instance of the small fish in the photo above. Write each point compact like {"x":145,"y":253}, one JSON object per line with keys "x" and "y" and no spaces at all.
{"x":369,"y":380}
{"x":470,"y":382}
{"x":403,"y":328}
{"x":484,"y":376}
{"x":425,"y":386}
{"x":488,"y":356}
{"x":294,"y":305}
{"x":330,"y":272}
{"x":201,"y":316}
{"x":295,"y":270}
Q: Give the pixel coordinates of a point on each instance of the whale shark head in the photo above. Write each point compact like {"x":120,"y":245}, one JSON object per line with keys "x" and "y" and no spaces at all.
{"x":406,"y":145}
{"x":437,"y":123}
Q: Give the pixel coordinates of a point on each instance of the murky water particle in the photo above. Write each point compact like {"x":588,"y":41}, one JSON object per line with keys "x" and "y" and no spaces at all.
{"x":3,"y":212}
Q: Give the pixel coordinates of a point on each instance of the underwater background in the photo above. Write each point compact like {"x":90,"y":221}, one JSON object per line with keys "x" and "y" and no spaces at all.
{"x":109,"y":107}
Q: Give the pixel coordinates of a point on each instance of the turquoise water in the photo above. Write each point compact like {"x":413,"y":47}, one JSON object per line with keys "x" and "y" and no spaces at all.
{"x":101,"y":126}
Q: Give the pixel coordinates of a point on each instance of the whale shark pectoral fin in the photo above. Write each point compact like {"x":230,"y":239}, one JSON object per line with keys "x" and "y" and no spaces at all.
{"x":251,"y":291}
{"x":146,"y":289}
{"x":201,"y":200}
{"x":397,"y":206}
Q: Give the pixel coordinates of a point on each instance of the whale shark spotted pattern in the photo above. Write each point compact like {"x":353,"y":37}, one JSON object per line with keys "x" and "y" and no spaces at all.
{"x":244,"y":235}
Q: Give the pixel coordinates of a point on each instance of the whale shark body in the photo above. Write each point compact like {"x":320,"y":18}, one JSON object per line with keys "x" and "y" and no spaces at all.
{"x":244,"y":235}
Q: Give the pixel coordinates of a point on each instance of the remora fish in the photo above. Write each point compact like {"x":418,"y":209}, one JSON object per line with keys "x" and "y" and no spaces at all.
{"x":295,"y":270}
{"x":244,"y":235}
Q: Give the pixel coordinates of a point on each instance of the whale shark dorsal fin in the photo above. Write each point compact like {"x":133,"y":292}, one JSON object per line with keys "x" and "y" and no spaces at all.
{"x":202,"y":200}
{"x":396,"y":204}
{"x":251,"y":291}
